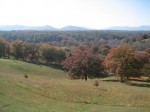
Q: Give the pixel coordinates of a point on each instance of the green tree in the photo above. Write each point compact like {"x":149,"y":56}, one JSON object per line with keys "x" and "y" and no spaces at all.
{"x":18,"y":50}
{"x":60,"y":55}
{"x":48,"y":53}
{"x":146,"y":71}
{"x":32,"y":51}
{"x":7,"y":49}
{"x":2,"y":47}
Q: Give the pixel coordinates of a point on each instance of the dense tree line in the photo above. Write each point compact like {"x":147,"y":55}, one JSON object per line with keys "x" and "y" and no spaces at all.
{"x":75,"y":38}
{"x":121,"y":61}
{"x":41,"y":52}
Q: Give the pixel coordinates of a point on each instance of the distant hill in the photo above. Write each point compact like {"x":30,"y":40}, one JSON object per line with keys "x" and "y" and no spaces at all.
{"x":140,"y":28}
{"x":70,"y":28}
{"x":43,"y":28}
{"x":49,"y":28}
{"x":73,"y":28}
{"x":21,"y":27}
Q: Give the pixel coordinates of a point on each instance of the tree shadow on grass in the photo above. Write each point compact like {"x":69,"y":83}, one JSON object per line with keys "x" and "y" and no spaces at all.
{"x":139,"y":84}
{"x":53,"y":65}
{"x":111,"y":80}
{"x":139,"y":80}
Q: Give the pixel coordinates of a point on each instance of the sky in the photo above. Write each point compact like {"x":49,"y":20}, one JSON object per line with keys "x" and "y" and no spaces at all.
{"x":95,"y":14}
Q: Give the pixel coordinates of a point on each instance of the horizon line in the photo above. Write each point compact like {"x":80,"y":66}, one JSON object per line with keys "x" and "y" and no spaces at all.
{"x":87,"y":27}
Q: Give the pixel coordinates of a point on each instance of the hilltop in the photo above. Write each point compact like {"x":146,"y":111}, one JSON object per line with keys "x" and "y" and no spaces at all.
{"x":40,"y":28}
{"x":128,"y":28}
{"x":71,"y":28}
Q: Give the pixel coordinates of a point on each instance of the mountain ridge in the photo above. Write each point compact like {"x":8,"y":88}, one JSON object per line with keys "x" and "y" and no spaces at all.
{"x":21,"y":27}
{"x":70,"y":28}
{"x":128,"y":28}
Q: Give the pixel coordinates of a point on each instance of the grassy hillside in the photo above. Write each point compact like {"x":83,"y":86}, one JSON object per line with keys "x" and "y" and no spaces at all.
{"x":19,"y":68}
{"x":48,"y":90}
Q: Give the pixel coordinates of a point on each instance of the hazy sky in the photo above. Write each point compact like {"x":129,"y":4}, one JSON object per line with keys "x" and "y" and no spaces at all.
{"x":86,"y":13}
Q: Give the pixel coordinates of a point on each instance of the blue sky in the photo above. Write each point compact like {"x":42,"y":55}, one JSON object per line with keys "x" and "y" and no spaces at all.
{"x":86,"y":13}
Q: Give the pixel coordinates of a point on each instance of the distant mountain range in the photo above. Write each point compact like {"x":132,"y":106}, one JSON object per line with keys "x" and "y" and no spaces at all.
{"x":73,"y":28}
{"x":21,"y":27}
{"x":49,"y":28}
{"x":127,"y":28}
{"x":70,"y":28}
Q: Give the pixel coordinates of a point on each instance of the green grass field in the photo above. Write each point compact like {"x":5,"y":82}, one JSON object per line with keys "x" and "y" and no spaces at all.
{"x":48,"y":90}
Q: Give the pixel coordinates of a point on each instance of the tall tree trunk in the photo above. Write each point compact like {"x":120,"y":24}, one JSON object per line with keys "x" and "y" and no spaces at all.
{"x":8,"y":55}
{"x":85,"y":76}
{"x":127,"y":78}
{"x":121,"y":78}
{"x":121,"y":75}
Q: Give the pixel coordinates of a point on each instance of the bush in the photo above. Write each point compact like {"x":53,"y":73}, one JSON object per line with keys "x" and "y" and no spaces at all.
{"x":96,"y":83}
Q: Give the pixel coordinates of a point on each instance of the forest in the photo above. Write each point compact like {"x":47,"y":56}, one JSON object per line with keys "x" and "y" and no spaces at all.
{"x":83,"y":54}
{"x":112,"y":38}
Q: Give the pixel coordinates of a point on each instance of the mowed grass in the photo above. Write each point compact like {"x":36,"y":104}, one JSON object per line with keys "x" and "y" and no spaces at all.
{"x":20,"y":68}
{"x":48,"y":90}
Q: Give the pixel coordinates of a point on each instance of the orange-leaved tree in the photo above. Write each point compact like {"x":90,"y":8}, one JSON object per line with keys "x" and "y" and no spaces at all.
{"x":123,"y":62}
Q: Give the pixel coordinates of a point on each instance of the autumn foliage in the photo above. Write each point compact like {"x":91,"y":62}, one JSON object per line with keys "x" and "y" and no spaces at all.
{"x":42,"y":52}
{"x":123,"y":62}
{"x":83,"y":63}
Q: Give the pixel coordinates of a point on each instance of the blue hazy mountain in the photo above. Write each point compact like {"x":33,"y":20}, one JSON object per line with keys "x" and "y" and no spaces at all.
{"x":43,"y":28}
{"x":70,"y":28}
{"x":49,"y":28}
{"x":73,"y":28}
{"x":140,"y":28}
{"x":21,"y":27}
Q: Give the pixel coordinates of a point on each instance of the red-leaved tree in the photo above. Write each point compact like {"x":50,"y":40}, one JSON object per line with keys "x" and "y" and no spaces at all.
{"x":83,"y":63}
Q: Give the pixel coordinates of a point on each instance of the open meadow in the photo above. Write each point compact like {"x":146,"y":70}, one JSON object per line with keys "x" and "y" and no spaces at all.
{"x":47,"y":89}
